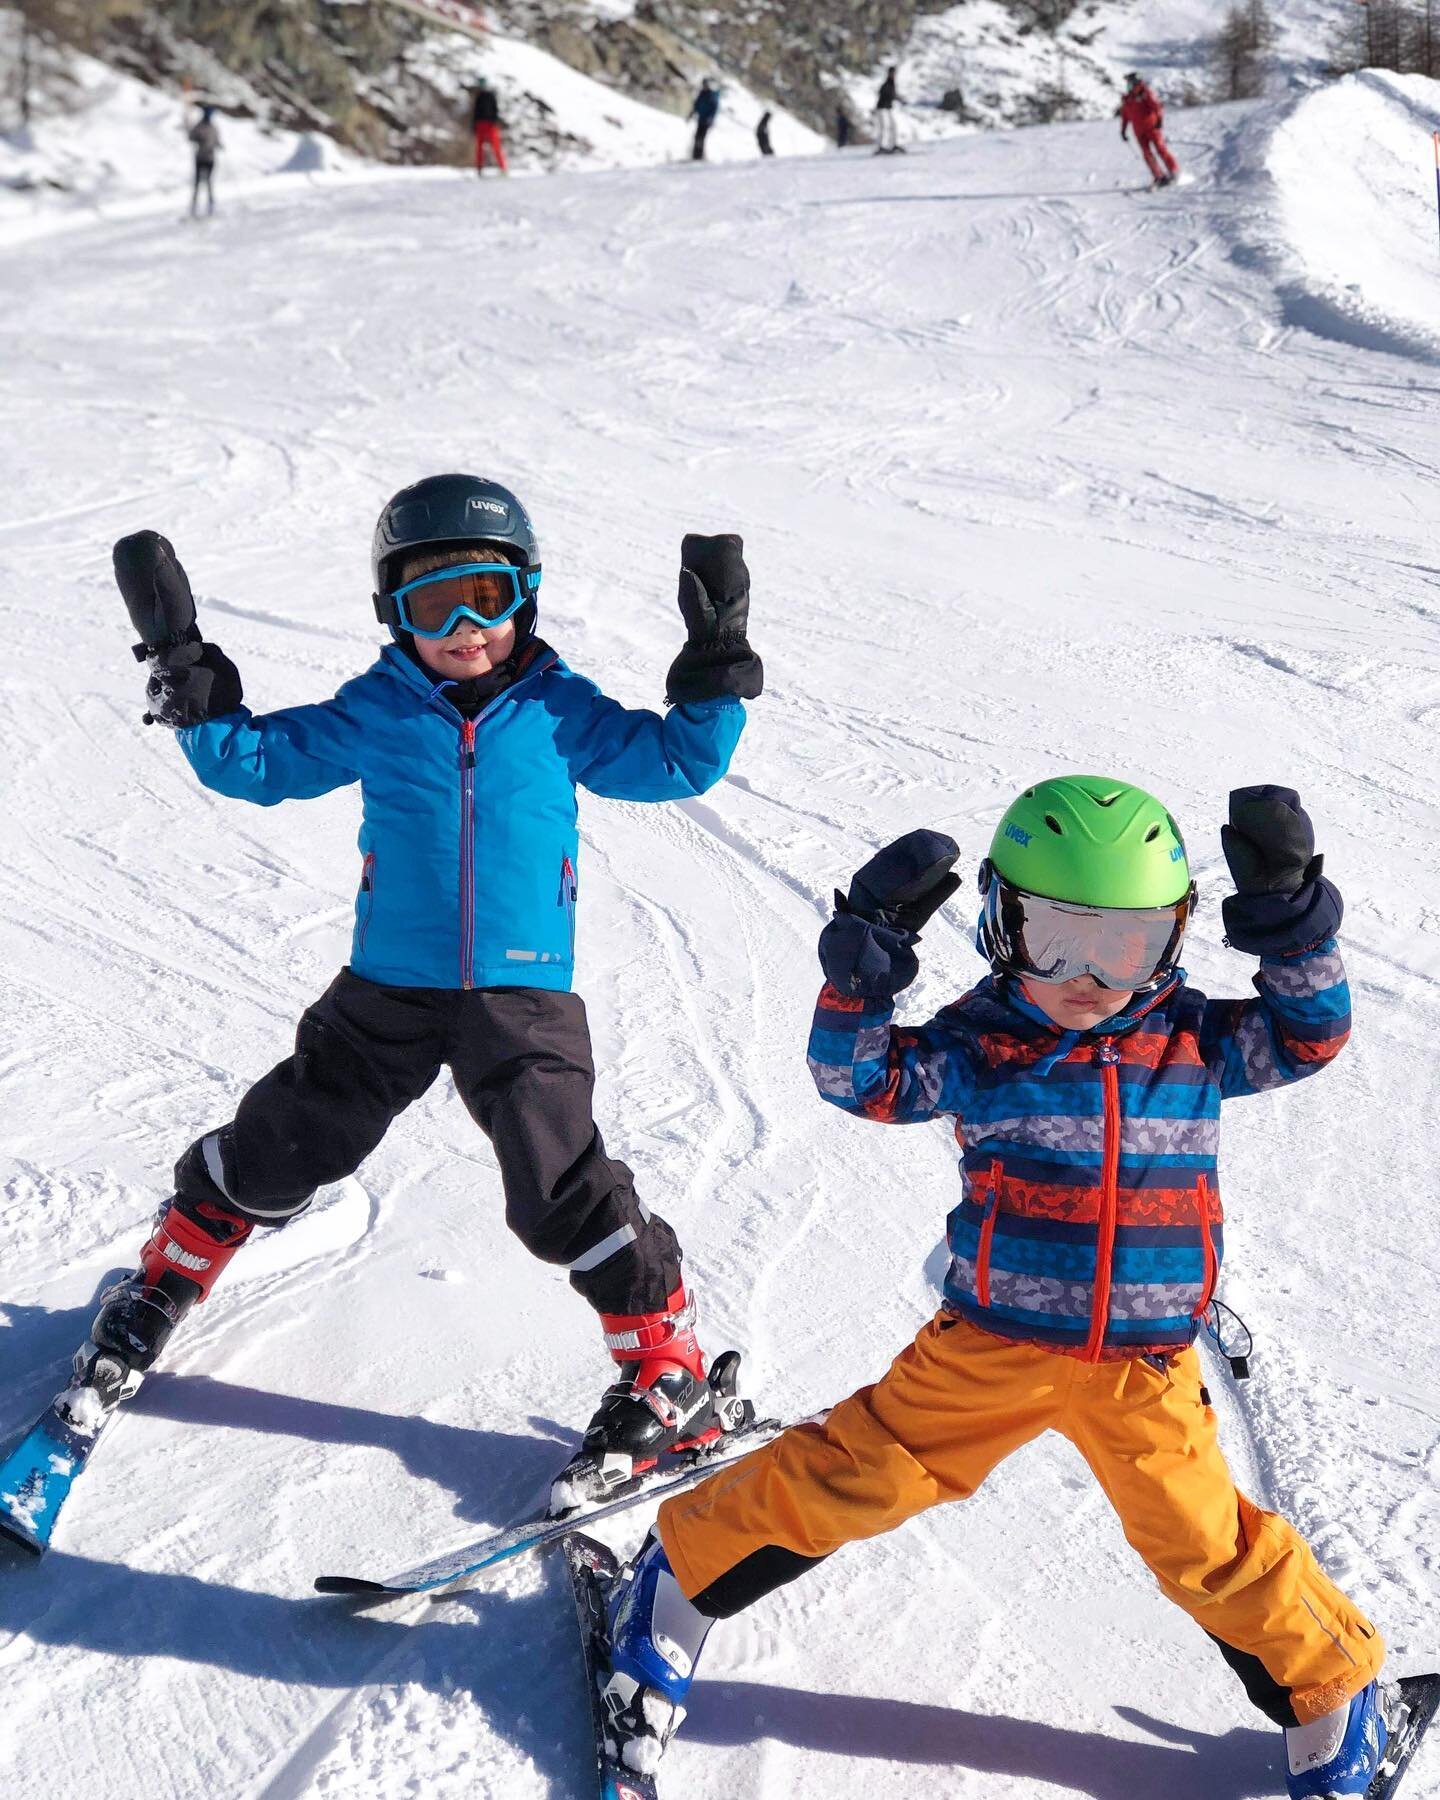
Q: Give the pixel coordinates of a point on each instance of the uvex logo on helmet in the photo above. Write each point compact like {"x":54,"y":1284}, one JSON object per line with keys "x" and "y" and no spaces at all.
{"x":477,"y":503}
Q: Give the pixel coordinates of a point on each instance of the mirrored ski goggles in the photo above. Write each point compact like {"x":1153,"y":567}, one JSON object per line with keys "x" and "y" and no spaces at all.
{"x":485,"y":593}
{"x":1054,"y":940}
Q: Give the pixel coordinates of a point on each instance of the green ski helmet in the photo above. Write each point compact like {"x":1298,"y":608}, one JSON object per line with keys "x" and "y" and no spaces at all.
{"x":1086,"y":875}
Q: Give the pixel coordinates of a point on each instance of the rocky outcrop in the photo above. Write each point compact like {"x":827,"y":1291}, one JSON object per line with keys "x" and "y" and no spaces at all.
{"x":386,"y":83}
{"x":795,"y":54}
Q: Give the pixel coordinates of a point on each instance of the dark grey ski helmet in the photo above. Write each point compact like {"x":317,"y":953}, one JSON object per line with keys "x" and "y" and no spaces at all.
{"x":450,"y":509}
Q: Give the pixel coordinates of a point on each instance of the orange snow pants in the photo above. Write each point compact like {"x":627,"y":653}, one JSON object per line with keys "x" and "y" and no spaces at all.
{"x":957,"y":1401}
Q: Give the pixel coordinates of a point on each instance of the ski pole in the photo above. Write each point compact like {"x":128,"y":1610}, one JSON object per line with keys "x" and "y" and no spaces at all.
{"x":1435,"y":139}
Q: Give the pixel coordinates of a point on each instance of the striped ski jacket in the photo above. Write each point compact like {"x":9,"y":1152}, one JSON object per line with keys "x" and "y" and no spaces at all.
{"x":1090,"y":1220}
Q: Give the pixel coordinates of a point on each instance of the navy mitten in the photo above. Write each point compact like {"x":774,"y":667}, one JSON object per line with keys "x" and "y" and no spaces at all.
{"x":868,"y":948}
{"x":1282,"y":902}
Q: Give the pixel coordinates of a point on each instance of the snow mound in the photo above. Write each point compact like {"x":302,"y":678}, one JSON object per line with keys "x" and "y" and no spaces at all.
{"x":1351,"y":175}
{"x":310,"y":155}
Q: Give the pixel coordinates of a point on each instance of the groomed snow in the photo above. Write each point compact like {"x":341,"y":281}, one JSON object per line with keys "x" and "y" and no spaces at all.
{"x":1034,"y":474}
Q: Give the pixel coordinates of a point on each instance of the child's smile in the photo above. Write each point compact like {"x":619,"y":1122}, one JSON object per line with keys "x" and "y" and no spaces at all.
{"x":468,"y":651}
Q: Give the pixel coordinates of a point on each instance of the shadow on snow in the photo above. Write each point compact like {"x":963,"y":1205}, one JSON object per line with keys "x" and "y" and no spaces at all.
{"x":512,"y":1654}
{"x":491,"y":1473}
{"x":1242,"y":1765}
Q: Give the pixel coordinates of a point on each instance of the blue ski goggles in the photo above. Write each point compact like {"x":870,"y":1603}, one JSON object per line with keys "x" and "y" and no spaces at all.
{"x":486,"y":593}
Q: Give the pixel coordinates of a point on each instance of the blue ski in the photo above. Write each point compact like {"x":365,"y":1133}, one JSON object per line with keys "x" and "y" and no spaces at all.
{"x":36,"y":1475}
{"x":592,"y":1568}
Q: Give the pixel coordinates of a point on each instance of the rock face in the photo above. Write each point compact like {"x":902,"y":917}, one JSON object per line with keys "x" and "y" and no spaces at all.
{"x":796,"y":52}
{"x":793,"y":52}
{"x":310,"y":65}
{"x":386,"y":83}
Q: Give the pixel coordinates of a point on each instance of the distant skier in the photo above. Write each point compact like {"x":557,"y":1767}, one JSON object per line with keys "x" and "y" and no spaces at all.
{"x":842,"y":128}
{"x":762,"y":135}
{"x":706,"y":105}
{"x":1142,"y":109}
{"x":885,"y":102}
{"x":485,"y":118}
{"x":1084,"y":1078}
{"x":205,"y":136}
{"x":469,"y":738}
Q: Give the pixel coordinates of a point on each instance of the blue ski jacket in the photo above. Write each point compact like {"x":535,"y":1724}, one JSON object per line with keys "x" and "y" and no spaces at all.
{"x":468,"y":843}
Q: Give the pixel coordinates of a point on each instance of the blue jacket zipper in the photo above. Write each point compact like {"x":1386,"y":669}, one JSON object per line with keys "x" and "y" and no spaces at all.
{"x":467,"y":854}
{"x":467,"y":814}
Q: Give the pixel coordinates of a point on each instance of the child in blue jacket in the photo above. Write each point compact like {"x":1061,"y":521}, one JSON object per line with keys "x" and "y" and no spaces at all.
{"x":469,"y":737}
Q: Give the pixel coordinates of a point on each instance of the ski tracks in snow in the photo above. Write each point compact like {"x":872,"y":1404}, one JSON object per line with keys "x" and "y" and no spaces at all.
{"x":1027,"y":480}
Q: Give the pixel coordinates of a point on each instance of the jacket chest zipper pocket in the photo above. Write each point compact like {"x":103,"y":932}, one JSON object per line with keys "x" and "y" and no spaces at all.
{"x":367,"y":888}
{"x":1207,"y":1239}
{"x":987,"y":1234}
{"x":568,"y":895}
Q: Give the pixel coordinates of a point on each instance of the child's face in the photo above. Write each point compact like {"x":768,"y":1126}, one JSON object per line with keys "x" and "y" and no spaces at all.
{"x":1078,"y":1005}
{"x":468,"y":651}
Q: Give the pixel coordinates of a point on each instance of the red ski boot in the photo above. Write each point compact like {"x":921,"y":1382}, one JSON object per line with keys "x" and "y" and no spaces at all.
{"x":664,"y":1404}
{"x":191,"y":1242}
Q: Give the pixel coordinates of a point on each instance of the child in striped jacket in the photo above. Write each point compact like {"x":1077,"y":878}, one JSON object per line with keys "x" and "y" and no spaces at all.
{"x":1085,"y":1078}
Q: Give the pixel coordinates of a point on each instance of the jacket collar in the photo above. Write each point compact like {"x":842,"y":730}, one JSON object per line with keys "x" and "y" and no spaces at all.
{"x":534,"y":657}
{"x":1008,"y":992}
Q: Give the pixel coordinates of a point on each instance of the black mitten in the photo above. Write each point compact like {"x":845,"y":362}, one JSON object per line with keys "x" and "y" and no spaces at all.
{"x":868,"y":948}
{"x":1282,"y":900}
{"x":717,"y":662}
{"x":156,"y":589}
{"x":190,"y":681}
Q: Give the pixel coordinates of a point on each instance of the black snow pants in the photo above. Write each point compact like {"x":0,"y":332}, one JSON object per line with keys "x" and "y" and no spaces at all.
{"x":204,"y":177}
{"x":522,"y":1064}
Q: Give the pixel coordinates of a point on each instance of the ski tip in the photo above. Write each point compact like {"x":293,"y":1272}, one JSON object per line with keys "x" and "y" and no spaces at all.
{"x":16,"y":1535}
{"x":355,"y":1585}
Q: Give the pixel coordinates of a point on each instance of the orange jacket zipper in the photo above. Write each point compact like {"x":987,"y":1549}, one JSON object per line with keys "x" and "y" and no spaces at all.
{"x":987,"y":1232}
{"x":1109,"y":1058}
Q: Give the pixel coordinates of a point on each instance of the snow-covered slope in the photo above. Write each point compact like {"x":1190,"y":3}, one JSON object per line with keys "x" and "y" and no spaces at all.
{"x":115,"y":144}
{"x":1007,"y":71}
{"x":1349,"y":223}
{"x":1033,"y":476}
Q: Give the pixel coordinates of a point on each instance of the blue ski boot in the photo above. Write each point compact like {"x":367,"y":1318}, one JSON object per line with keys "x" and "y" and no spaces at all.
{"x":1340,"y":1754}
{"x":655,"y":1641}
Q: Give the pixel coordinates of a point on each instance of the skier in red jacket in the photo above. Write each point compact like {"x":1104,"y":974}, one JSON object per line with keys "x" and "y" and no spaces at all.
{"x":1141,"y":109}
